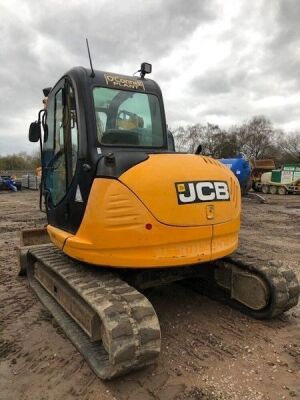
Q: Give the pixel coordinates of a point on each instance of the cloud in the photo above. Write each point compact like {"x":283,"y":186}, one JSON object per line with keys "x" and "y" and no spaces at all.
{"x":211,"y":83}
{"x":215,"y":61}
{"x":40,"y":43}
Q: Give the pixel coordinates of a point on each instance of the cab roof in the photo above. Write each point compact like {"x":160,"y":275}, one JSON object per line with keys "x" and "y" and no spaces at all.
{"x":113,"y":80}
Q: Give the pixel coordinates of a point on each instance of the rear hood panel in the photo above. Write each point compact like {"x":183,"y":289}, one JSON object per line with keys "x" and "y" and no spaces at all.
{"x":185,"y":189}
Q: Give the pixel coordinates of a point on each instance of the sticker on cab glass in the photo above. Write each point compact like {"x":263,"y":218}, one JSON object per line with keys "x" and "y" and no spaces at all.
{"x":201,"y":191}
{"x":124,"y":83}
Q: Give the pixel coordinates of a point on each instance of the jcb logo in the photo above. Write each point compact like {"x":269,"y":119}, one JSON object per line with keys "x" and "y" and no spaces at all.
{"x":203,"y":191}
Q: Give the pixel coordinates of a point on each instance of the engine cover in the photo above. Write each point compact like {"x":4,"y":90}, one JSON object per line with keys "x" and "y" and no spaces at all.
{"x":185,"y":189}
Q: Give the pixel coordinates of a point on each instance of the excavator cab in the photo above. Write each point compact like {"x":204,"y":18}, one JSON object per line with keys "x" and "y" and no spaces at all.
{"x":90,"y":122}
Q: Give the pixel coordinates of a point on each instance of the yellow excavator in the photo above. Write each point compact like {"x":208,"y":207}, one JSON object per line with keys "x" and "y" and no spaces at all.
{"x":126,"y":212}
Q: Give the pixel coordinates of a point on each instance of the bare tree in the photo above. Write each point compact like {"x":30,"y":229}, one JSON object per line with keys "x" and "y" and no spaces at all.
{"x":215,"y":141}
{"x":256,"y":138}
{"x":187,"y":139}
{"x":211,"y":138}
{"x":290,"y":145}
{"x":19,"y":161}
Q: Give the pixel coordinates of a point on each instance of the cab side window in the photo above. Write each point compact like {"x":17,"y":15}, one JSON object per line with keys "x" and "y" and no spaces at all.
{"x":60,"y":150}
{"x":73,"y":147}
{"x":59,"y":186}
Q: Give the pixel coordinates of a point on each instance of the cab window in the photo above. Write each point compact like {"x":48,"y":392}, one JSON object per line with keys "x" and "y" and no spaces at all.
{"x":128,"y":118}
{"x":60,"y":150}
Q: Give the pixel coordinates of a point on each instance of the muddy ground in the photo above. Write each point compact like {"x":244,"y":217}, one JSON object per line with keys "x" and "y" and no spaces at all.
{"x":208,"y":350}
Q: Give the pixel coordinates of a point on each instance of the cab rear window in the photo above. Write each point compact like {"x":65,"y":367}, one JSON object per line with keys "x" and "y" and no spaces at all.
{"x":127,"y":118}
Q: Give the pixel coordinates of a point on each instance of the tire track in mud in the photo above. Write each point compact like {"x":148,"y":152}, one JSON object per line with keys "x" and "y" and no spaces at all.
{"x":34,"y":350}
{"x":15,"y":297}
{"x":209,"y":351}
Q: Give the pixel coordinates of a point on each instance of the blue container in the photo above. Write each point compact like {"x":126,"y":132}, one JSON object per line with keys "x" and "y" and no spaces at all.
{"x":241,"y":169}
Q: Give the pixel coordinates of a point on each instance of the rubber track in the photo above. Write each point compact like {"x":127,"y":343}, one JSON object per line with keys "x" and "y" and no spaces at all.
{"x":282,"y":281}
{"x":131,"y":326}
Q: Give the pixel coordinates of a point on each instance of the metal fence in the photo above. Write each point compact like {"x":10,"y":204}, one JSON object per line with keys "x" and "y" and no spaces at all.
{"x":31,"y":181}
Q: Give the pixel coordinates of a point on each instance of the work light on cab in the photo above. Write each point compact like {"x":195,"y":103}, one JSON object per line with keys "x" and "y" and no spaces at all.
{"x":146,"y":68}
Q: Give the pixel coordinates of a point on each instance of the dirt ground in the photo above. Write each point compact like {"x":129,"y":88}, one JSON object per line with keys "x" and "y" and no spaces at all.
{"x":209,"y":351}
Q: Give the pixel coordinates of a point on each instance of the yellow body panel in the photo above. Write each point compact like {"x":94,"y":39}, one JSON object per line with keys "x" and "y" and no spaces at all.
{"x":136,"y":221}
{"x":57,"y":236}
{"x":225,"y":238}
{"x":154,"y":178}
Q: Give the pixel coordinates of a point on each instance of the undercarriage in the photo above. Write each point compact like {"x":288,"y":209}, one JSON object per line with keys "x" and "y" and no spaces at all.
{"x":114,"y":326}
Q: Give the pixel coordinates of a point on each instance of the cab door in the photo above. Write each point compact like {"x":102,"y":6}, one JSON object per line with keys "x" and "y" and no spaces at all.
{"x":60,"y":157}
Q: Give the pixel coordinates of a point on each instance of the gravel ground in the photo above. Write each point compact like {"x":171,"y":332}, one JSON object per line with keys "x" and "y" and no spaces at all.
{"x":209,"y":351}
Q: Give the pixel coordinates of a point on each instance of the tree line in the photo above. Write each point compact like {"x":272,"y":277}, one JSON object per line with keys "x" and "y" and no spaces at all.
{"x":256,"y":138}
{"x":21,"y":162}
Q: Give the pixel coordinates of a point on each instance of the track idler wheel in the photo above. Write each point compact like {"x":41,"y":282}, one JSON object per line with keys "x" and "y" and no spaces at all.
{"x":245,"y":287}
{"x":258,"y":287}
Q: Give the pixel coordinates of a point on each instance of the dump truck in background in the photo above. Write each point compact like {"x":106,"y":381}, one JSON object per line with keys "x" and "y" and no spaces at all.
{"x":281,"y":181}
{"x":258,"y":168}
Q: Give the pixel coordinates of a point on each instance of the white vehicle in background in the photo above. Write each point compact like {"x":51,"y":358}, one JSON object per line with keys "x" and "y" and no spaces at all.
{"x":281,"y":181}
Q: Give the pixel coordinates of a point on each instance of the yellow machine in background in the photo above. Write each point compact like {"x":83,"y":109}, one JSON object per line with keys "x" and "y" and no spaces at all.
{"x":127,"y":120}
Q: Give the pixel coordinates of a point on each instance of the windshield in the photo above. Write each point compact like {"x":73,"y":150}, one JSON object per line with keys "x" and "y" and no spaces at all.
{"x":128,"y":118}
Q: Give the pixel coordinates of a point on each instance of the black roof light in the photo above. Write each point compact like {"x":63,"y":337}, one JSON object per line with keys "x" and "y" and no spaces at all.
{"x":146,"y":68}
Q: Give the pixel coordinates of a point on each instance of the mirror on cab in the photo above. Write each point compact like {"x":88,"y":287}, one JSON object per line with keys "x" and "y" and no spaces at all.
{"x":34,"y":131}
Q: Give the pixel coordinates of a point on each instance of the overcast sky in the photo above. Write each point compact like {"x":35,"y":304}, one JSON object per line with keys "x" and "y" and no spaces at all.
{"x":216,"y":61}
